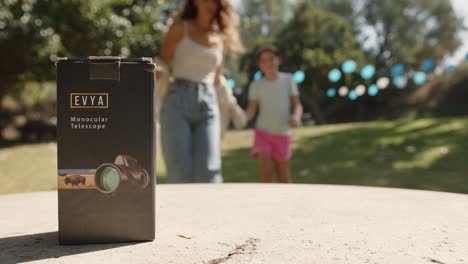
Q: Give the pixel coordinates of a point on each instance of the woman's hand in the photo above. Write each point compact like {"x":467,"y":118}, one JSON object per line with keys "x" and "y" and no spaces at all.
{"x":159,"y":72}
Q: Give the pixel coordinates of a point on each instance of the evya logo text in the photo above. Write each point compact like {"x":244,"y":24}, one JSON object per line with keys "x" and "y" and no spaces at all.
{"x":89,"y":100}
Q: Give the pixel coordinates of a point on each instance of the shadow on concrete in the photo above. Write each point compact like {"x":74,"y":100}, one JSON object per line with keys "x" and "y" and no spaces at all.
{"x":33,"y":247}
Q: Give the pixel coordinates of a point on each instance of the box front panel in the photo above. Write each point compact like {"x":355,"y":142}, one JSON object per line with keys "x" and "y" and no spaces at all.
{"x":106,"y":157}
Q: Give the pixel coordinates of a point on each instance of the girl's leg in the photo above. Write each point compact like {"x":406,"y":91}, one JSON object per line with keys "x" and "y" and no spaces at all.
{"x":266,"y":168}
{"x":282,"y":171}
{"x":281,"y":155}
{"x":262,"y":151}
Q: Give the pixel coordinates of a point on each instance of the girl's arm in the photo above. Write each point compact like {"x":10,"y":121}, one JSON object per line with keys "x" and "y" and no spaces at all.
{"x":253,"y":102}
{"x":251,"y":109}
{"x":296,"y":111}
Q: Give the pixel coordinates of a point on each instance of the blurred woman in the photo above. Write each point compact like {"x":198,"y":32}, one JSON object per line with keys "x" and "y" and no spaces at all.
{"x":194,"y":48}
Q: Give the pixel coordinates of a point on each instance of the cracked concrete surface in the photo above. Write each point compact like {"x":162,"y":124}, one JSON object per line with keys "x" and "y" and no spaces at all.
{"x":248,"y":248}
{"x":255,"y":223}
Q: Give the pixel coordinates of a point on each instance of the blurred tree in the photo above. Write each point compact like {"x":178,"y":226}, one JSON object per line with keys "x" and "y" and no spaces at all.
{"x":114,"y":27}
{"x":409,"y":31}
{"x":27,"y":43}
{"x":149,"y":20}
{"x":323,"y":48}
{"x":35,"y":32}
{"x":261,"y":20}
{"x":343,"y":8}
{"x":316,"y":41}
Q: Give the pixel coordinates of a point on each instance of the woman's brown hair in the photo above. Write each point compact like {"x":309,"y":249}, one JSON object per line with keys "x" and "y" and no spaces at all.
{"x":226,"y":19}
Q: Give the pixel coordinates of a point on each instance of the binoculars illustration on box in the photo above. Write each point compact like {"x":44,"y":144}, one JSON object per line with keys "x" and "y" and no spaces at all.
{"x":123,"y":175}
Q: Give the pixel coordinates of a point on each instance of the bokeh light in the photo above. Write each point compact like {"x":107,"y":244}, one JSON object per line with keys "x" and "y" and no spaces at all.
{"x":427,"y":65}
{"x":258,"y":75}
{"x":373,"y":90}
{"x":343,"y":91}
{"x":334,"y":75}
{"x":331,"y":92}
{"x":299,"y":76}
{"x":360,"y":90}
{"x":352,"y":95}
{"x":383,"y":82}
{"x":419,"y":78}
{"x":450,"y":68}
{"x":367,"y":72}
{"x":398,"y":70}
{"x":400,"y":81}
{"x":231,"y":83}
{"x":349,"y":66}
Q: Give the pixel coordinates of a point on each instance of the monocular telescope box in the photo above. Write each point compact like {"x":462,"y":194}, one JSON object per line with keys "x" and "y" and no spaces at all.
{"x":106,"y":149}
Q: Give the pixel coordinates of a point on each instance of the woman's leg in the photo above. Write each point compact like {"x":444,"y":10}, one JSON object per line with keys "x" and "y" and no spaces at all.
{"x":206,"y":152}
{"x":176,"y":139}
{"x":206,"y":138}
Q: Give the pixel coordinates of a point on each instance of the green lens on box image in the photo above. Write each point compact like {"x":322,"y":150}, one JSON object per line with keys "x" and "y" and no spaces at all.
{"x":109,"y":179}
{"x":106,"y":174}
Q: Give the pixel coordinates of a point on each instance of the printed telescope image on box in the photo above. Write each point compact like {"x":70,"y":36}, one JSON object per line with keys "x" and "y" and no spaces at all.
{"x":106,"y":140}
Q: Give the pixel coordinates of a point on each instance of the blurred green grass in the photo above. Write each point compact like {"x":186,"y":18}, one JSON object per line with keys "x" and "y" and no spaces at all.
{"x":427,"y":153}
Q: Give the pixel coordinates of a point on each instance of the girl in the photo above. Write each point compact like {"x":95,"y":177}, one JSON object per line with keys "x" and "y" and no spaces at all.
{"x":277,"y":97}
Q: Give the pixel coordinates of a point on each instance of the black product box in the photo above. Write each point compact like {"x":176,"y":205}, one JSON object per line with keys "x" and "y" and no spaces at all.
{"x":106,"y":140}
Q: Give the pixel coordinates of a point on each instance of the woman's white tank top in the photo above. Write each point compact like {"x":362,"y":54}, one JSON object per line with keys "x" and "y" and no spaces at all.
{"x":194,"y":61}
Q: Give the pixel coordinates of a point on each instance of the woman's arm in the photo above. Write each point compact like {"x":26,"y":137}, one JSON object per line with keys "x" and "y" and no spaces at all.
{"x":171,"y":39}
{"x":220,"y":68}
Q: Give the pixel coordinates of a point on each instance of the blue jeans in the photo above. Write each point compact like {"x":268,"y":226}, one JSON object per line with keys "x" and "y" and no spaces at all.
{"x":190,"y":133}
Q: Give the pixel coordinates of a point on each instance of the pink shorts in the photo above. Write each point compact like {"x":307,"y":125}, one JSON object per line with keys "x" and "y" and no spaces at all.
{"x":277,"y":147}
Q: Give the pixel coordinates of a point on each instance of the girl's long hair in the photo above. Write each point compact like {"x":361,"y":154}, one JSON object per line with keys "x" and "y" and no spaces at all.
{"x":226,"y":19}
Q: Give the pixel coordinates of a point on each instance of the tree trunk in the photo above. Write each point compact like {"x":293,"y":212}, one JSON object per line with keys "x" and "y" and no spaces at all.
{"x":3,"y":91}
{"x":315,"y":109}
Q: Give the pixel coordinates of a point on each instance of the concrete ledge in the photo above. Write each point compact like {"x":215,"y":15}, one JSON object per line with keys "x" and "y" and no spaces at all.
{"x":257,"y":223}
